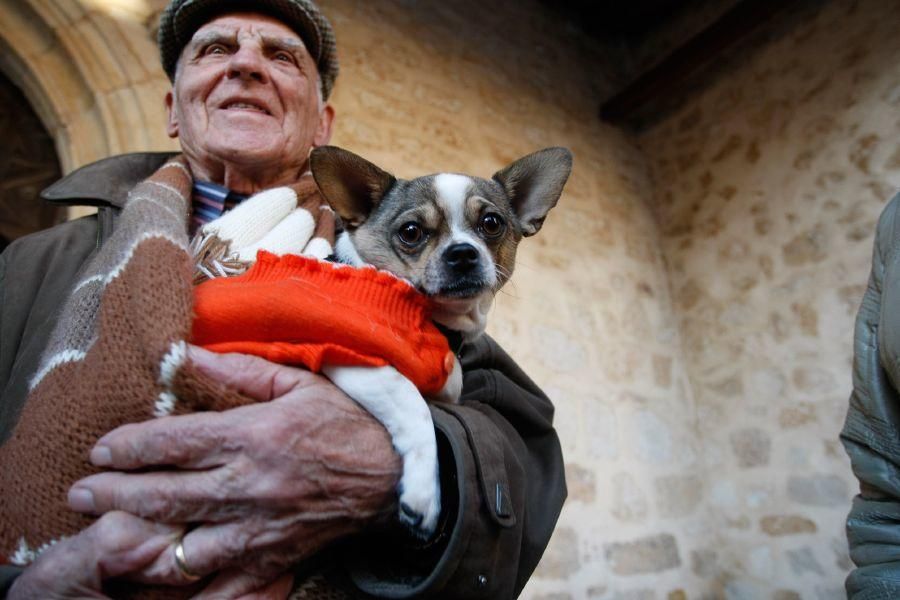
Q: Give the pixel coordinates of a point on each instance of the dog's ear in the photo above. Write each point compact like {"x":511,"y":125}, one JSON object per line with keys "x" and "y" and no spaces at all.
{"x":352,"y":185}
{"x":534,"y":184}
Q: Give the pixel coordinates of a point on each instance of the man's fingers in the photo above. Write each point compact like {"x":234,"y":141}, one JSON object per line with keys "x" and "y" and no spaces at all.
{"x":252,"y":376}
{"x":169,"y":497}
{"x":193,"y":441}
{"x":123,"y":543}
{"x":211,"y":548}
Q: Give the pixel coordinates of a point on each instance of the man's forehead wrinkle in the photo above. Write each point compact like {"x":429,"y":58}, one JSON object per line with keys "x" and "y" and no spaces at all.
{"x":219,"y":32}
{"x":207,"y":36}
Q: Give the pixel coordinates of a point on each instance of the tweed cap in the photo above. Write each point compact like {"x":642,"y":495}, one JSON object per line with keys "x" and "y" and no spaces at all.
{"x":182,"y":18}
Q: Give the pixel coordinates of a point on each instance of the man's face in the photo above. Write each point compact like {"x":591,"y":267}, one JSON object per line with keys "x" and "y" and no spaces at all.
{"x":246,"y":92}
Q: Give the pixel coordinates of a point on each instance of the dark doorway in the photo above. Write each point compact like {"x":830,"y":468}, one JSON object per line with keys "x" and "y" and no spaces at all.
{"x":28,"y":164}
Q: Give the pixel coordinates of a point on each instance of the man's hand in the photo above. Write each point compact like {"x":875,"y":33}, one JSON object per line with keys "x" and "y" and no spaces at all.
{"x":269,"y":484}
{"x":115,"y":545}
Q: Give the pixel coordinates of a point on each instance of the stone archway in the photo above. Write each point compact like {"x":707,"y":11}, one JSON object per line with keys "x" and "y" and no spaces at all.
{"x":90,"y":69}
{"x":27,"y":165}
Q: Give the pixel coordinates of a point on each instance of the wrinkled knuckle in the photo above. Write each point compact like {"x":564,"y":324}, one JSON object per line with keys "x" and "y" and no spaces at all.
{"x":154,"y":503}
{"x":233,"y":547}
{"x":111,"y":529}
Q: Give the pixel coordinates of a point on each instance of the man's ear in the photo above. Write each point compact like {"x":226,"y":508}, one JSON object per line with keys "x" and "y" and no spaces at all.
{"x":172,"y":119}
{"x":352,"y":185}
{"x":324,"y":127}
{"x":534,"y":184}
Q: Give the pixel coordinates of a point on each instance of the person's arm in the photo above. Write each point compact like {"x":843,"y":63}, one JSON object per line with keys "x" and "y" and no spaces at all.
{"x":503,"y":488}
{"x":871,"y":433}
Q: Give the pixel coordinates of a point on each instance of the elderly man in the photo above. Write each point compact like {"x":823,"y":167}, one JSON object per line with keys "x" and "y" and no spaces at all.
{"x":303,"y":481}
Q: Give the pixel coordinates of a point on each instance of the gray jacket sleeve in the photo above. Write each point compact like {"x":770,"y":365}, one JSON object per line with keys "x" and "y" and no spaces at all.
{"x":871,"y":433}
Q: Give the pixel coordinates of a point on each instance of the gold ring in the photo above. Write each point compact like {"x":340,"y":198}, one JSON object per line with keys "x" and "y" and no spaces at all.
{"x":181,"y":561}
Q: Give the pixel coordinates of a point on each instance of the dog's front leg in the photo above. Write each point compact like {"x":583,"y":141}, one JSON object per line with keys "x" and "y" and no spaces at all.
{"x":397,"y":404}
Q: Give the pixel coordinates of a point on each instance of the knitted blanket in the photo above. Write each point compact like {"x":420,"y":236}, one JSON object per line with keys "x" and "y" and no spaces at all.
{"x":117,"y":354}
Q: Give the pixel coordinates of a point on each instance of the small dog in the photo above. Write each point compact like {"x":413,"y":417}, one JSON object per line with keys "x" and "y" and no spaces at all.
{"x":453,"y":237}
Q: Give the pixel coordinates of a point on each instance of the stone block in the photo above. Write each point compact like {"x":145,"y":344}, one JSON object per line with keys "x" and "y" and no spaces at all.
{"x":751,"y":447}
{"x":704,"y":563}
{"x":561,"y":559}
{"x":638,"y":594}
{"x":678,"y":495}
{"x":781,"y":525}
{"x":803,"y":560}
{"x":581,"y":483}
{"x":646,"y":555}
{"x":819,"y":490}
{"x":629,"y":503}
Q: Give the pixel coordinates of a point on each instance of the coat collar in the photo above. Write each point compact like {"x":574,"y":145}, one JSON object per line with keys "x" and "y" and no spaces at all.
{"x":105,"y":182}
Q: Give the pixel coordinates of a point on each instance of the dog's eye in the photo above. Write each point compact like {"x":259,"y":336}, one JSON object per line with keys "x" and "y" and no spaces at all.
{"x":492,"y":225}
{"x":411,"y":233}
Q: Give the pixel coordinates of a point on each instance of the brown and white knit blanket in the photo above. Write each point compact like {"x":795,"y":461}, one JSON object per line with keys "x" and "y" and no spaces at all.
{"x":117,"y":353}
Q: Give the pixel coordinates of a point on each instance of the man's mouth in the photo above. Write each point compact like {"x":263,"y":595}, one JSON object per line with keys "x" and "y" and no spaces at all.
{"x":244,"y":105}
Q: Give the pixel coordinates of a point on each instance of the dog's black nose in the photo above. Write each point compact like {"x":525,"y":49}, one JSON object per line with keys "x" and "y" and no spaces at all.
{"x":461,"y":257}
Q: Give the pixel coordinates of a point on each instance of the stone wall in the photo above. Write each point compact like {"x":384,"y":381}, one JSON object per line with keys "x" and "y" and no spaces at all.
{"x":588,"y":312}
{"x":768,"y":186}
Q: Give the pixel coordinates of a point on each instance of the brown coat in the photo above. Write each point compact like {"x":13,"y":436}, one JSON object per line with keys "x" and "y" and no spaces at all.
{"x":503,"y":482}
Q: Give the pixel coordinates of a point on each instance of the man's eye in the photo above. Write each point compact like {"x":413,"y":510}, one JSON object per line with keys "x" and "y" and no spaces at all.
{"x":284,"y":56}
{"x":213,"y":49}
{"x":411,"y":233}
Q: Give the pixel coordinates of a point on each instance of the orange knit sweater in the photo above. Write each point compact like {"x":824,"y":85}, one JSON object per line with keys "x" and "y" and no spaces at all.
{"x":302,"y":311}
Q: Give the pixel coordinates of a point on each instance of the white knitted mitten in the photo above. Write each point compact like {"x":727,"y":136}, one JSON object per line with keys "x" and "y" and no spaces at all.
{"x":269,"y":220}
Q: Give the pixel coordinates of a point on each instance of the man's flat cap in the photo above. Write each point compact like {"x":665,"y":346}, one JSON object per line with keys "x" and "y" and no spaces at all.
{"x":182,"y":18}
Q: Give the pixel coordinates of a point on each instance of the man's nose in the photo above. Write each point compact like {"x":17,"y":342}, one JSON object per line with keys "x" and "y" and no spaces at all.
{"x":247,"y":63}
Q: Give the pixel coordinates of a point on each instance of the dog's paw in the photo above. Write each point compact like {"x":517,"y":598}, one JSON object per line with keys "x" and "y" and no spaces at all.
{"x":420,"y":494}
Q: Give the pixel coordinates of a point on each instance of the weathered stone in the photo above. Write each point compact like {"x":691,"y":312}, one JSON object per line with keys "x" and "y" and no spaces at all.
{"x":677,"y":595}
{"x":581,"y":483}
{"x":766,"y":384}
{"x":785,"y":595}
{"x":743,"y":590}
{"x":819,"y":490}
{"x":841,"y":554}
{"x":662,"y":371}
{"x":751,"y":447}
{"x":801,"y":414}
{"x":639,"y":594}
{"x":813,"y":380}
{"x":602,"y":432}
{"x":704,"y":563}
{"x":807,"y":317}
{"x":739,"y":522}
{"x":759,"y":562}
{"x":803,"y":561}
{"x":862,"y":151}
{"x":835,"y":592}
{"x":629,"y":503}
{"x":557,"y":349}
{"x":597,"y":591}
{"x":653,"y":438}
{"x":678,"y":495}
{"x":646,"y":555}
{"x":779,"y":525}
{"x":554,"y":596}
{"x":808,"y":247}
{"x":561,"y":558}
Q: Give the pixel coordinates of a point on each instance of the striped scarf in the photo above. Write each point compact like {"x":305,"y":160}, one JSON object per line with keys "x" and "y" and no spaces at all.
{"x":117,"y":353}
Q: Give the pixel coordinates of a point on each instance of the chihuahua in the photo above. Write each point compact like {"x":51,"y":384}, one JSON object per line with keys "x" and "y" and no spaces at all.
{"x":454,"y":238}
